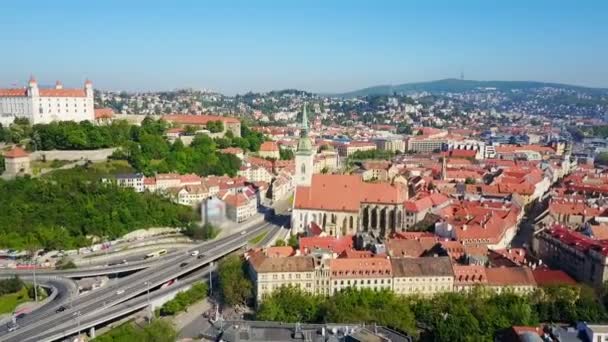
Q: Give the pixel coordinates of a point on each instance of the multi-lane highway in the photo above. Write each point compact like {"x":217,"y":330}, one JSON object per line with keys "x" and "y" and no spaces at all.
{"x":155,"y":274}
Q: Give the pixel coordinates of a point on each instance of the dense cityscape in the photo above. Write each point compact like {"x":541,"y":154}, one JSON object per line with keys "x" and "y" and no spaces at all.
{"x":285,"y":172}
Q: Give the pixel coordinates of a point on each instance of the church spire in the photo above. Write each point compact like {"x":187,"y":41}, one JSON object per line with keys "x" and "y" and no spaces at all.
{"x":304,"y":143}
{"x":304,"y":129}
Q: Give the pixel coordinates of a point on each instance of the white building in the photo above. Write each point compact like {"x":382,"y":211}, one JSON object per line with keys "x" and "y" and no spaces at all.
{"x":44,"y":105}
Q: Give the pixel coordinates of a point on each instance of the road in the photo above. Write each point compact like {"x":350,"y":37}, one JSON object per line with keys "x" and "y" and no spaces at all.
{"x":99,"y":302}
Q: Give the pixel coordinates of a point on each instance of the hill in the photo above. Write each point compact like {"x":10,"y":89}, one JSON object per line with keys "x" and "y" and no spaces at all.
{"x":455,"y":86}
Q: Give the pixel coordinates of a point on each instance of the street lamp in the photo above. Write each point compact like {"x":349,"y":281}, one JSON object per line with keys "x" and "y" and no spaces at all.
{"x":35,"y":284}
{"x":148,"y":299}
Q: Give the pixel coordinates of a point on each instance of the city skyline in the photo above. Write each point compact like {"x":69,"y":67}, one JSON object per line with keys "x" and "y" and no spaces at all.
{"x":237,"y":47}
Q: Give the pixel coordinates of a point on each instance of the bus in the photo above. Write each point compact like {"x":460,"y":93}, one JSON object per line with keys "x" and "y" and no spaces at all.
{"x":156,"y":254}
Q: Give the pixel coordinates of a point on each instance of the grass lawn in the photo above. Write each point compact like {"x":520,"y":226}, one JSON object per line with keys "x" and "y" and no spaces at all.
{"x":9,"y":302}
{"x":112,"y":167}
{"x":258,"y":238}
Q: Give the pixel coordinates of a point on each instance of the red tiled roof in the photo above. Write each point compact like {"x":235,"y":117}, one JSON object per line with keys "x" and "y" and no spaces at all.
{"x":336,"y":245}
{"x":510,"y":276}
{"x":44,"y":92}
{"x":360,"y":268}
{"x":280,"y":251}
{"x":19,"y":92}
{"x":104,"y":113}
{"x":62,"y":93}
{"x":548,"y":277}
{"x":269,"y":146}
{"x":327,"y":192}
{"x":185,"y":119}
{"x":469,"y":274}
{"x":16,"y":152}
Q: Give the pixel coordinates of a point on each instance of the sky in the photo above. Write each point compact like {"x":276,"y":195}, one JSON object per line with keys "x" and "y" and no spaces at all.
{"x":317,"y":45}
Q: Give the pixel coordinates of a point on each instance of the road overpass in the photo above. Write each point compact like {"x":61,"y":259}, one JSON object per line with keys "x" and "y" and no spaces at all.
{"x":100,"y":301}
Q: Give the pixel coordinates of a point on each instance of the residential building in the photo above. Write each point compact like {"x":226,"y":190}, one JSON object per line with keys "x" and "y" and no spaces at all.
{"x":346,"y":149}
{"x":131,"y":180}
{"x":360,"y":273}
{"x":240,"y":206}
{"x":582,"y":257}
{"x":394,"y":144}
{"x":271,"y":273}
{"x":255,"y":173}
{"x":269,"y":149}
{"x":425,"y":276}
{"x":44,"y":105}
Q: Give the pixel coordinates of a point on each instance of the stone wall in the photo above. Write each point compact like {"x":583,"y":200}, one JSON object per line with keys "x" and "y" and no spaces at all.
{"x":92,"y":155}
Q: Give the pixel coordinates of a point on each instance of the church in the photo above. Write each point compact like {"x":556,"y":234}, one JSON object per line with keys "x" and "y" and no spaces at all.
{"x":343,"y":204}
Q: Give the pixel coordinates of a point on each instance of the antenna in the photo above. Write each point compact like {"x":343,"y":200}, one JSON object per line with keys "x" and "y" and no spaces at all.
{"x":461,"y":75}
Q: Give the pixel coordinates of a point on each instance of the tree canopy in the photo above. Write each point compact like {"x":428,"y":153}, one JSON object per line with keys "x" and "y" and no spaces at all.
{"x":235,"y":286}
{"x":474,"y":316}
{"x":62,"y":210}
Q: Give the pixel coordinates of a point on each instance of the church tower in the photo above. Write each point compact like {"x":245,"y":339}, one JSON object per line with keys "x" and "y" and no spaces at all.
{"x":304,"y":155}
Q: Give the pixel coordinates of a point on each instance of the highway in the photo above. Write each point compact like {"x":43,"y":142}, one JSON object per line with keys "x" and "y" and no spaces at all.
{"x":72,"y":326}
{"x":156,"y":273}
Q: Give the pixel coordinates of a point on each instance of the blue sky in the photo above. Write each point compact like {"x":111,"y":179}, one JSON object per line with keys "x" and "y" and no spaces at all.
{"x":316,"y":45}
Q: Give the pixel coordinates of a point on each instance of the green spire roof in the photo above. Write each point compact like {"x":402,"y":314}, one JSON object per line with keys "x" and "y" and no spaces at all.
{"x":304,"y":143}
{"x":304,"y":131}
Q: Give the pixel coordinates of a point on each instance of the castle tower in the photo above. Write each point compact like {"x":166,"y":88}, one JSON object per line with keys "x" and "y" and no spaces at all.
{"x":32,"y":87}
{"x":304,"y":155}
{"x":88,"y":88}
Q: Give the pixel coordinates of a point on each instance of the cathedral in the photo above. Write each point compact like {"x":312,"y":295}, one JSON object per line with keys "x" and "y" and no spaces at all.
{"x":343,"y":204}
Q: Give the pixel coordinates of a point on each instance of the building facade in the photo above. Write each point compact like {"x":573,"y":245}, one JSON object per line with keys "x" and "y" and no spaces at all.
{"x":44,"y":105}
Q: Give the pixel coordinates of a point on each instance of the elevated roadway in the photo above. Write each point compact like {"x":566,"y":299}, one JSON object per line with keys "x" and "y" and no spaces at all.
{"x":100,"y":301}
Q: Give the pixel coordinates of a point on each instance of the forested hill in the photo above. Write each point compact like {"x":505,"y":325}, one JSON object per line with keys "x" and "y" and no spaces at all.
{"x":62,"y":210}
{"x":457,"y":85}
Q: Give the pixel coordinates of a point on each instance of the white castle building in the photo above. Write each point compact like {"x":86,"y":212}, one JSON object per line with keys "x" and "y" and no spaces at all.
{"x":43,"y":105}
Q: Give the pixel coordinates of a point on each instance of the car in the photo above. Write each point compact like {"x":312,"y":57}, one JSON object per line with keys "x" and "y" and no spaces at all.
{"x":194,"y":253}
{"x":13,"y":327}
{"x":60,"y":309}
{"x":119,"y":292}
{"x":183,"y":264}
{"x":124,"y":262}
{"x":243,"y":232}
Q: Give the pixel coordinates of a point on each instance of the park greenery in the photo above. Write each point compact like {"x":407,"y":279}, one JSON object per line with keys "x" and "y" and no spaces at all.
{"x":145,"y":147}
{"x":34,"y":211}
{"x":371,"y":154}
{"x":204,"y":232}
{"x":235,"y":287}
{"x":13,"y":291}
{"x":474,"y":316}
{"x":157,"y":331}
{"x":286,"y":154}
{"x":215,"y":126}
{"x":184,"y":299}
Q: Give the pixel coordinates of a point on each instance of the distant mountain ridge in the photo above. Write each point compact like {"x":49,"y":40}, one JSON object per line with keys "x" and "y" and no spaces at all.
{"x":456,"y":85}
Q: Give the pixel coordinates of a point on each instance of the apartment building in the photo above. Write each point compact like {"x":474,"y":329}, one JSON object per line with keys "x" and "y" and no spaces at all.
{"x":425,"y":276}
{"x":582,"y":257}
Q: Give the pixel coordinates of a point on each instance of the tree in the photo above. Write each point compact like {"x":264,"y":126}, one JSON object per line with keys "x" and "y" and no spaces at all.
{"x":215,"y":126}
{"x":602,"y":158}
{"x":286,"y":154}
{"x":280,"y":243}
{"x":293,"y":241}
{"x":469,"y":180}
{"x":235,"y":286}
